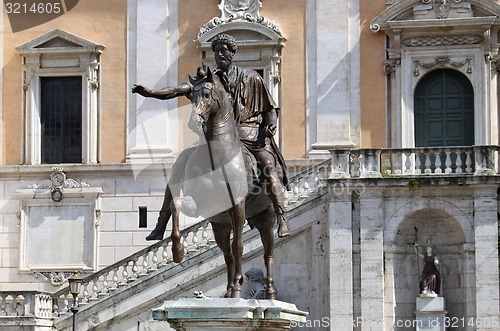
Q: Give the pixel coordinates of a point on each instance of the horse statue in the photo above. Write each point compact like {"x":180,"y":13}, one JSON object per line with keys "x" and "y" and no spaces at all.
{"x":219,"y":183}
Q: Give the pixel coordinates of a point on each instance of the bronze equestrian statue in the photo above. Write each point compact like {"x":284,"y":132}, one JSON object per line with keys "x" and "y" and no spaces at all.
{"x":237,"y":101}
{"x":256,"y":114}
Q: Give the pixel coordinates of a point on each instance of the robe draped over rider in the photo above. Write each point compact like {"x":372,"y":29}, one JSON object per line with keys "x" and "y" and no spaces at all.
{"x":252,"y":103}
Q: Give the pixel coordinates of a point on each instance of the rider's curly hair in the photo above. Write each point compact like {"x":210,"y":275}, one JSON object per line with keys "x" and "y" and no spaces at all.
{"x":225,"y":39}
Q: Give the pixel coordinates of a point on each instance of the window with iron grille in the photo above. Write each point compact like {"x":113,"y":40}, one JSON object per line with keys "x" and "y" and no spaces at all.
{"x":61,"y":119}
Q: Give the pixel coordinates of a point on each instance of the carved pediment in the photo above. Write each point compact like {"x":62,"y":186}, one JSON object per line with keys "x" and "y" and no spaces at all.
{"x":243,"y":13}
{"x":59,"y":40}
{"x":437,"y":13}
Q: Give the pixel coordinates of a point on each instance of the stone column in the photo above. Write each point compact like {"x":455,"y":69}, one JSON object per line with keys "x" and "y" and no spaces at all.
{"x":486,"y":241}
{"x":340,"y":264}
{"x":334,"y":73}
{"x":152,"y":62}
{"x":372,"y":259}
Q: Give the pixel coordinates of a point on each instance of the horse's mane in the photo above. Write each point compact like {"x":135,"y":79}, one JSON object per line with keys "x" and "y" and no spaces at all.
{"x":205,"y":74}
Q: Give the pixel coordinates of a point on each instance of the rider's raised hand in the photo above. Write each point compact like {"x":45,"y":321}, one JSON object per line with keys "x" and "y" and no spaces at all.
{"x":141,"y":90}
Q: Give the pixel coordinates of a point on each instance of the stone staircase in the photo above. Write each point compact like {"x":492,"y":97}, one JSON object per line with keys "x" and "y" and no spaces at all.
{"x":144,"y":280}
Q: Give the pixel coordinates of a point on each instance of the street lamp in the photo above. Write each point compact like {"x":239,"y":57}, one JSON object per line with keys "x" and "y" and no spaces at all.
{"x":75,"y":282}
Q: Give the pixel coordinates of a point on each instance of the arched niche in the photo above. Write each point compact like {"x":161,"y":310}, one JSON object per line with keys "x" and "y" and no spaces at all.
{"x":449,"y":245}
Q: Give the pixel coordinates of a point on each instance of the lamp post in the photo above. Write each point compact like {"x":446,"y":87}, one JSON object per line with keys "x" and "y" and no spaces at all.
{"x":75,"y":283}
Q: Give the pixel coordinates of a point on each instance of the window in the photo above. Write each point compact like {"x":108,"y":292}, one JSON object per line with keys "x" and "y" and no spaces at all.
{"x":61,"y":119}
{"x":60,"y":104}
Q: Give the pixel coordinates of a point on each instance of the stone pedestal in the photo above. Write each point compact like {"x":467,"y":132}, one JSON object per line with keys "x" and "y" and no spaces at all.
{"x":202,"y":314}
{"x":430,"y":314}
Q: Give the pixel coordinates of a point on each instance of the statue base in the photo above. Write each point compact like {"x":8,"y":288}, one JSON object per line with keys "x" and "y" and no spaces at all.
{"x":430,"y":313}
{"x":202,"y":314}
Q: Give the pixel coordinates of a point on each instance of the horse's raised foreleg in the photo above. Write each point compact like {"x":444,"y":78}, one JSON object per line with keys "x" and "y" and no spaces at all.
{"x":237,"y":213}
{"x":222,"y":234}
{"x":264,"y":222}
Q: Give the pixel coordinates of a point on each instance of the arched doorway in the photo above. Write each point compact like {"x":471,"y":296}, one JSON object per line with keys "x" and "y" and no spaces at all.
{"x":444,"y":110}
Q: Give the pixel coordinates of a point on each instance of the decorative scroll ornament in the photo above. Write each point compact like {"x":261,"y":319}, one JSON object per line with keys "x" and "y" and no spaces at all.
{"x":441,"y":62}
{"x":240,"y":11}
{"x":58,"y":179}
{"x":55,"y":278}
{"x":56,"y":183}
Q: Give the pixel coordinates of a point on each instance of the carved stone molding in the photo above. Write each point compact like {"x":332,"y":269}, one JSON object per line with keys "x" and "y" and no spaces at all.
{"x":442,"y":8}
{"x":442,"y":62}
{"x":449,"y":40}
{"x":240,"y":11}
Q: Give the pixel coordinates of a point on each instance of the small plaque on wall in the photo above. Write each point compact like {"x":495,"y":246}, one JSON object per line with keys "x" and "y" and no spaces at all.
{"x":60,"y":236}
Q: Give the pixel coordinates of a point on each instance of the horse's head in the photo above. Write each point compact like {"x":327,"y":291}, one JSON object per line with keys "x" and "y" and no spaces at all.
{"x":208,"y":96}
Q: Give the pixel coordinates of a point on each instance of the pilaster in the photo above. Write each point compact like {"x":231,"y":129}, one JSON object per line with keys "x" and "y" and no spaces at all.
{"x":340,"y":261}
{"x":486,"y":242}
{"x":335,"y":75}
{"x":152,"y":62}
{"x":372,"y":259}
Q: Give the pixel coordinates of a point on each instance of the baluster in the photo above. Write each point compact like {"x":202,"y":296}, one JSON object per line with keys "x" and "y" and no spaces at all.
{"x":286,"y":198}
{"x":95,"y":291}
{"x":448,"y":161}
{"x":164,"y":255}
{"x":458,"y":163}
{"x":154,"y":260}
{"x":115,"y":280}
{"x":135,"y":270}
{"x":85,"y":294}
{"x":296,"y":192}
{"x":204,"y":237}
{"x":105,"y":285}
{"x":428,"y":163}
{"x":124,"y":275}
{"x":185,"y":242}
{"x":305,"y":191}
{"x":468,"y":162}
{"x":144,"y":266}
{"x":195,"y":240}
{"x":65,"y":303}
{"x":316,"y":176}
{"x":13,"y":305}
{"x":438,"y":169}
{"x":418,"y":164}
{"x":3,"y":307}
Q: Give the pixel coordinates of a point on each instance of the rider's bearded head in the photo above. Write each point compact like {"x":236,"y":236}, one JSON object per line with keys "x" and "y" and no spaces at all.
{"x":224,"y":47}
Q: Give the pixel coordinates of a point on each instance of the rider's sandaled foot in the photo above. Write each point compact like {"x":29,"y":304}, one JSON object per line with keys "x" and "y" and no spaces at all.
{"x":283,"y":229}
{"x":158,"y":231}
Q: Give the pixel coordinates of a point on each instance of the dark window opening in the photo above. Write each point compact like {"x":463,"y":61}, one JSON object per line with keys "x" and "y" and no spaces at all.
{"x":143,"y":217}
{"x":61,"y":119}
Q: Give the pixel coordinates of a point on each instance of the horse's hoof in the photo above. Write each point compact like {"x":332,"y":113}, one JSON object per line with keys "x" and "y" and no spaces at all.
{"x":236,"y":293}
{"x":178,"y":253}
{"x":228,"y":294}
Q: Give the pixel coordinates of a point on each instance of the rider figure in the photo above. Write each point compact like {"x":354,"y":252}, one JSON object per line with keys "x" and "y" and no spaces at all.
{"x":256,"y":115}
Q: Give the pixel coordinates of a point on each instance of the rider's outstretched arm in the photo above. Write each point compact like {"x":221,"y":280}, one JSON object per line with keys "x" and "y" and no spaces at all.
{"x":165,"y":93}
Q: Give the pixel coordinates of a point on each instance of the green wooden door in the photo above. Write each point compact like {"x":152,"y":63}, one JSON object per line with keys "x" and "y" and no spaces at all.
{"x":444,"y":110}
